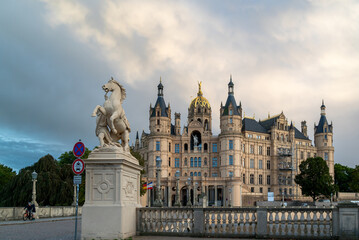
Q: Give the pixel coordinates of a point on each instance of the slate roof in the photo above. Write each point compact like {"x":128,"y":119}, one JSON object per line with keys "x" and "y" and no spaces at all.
{"x":231,"y":100}
{"x":252,"y":125}
{"x":267,"y":124}
{"x":160,"y":102}
{"x":320,"y":127}
{"x":299,"y":135}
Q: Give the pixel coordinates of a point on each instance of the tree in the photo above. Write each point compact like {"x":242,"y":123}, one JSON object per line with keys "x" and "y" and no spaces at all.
{"x":354,"y":180}
{"x":342,"y":177}
{"x":69,"y":157}
{"x":314,"y":178}
{"x":141,"y":161}
{"x":6,"y":174}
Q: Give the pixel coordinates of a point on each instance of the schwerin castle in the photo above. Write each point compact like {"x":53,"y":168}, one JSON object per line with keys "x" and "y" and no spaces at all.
{"x":241,"y":165}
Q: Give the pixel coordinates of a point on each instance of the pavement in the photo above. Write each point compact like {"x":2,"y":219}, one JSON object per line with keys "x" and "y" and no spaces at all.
{"x":61,"y":228}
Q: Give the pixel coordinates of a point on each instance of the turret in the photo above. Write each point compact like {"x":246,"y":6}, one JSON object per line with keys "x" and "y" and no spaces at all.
{"x":160,"y":115}
{"x":178,"y":123}
{"x":323,"y":139}
{"x":304,"y":128}
{"x":231,"y":114}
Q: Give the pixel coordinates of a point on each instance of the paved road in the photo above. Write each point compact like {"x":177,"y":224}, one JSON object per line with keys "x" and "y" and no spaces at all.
{"x":40,"y":229}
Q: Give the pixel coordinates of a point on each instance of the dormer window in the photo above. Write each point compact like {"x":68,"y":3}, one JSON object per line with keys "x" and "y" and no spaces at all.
{"x":230,"y":112}
{"x":325,"y":130}
{"x":158,"y":113}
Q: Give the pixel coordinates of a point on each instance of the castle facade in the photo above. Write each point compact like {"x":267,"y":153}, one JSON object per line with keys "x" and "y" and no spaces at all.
{"x":241,"y":165}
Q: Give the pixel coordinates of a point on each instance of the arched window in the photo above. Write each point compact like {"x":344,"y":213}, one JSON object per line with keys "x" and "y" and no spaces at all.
{"x":185,"y":161}
{"x":196,"y":139}
{"x":185,"y":174}
{"x":199,"y":174}
{"x":191,"y":174}
{"x":282,"y":138}
{"x":205,"y":174}
{"x":205,"y":146}
{"x":195,"y":174}
{"x":199,"y":120}
{"x":199,"y":162}
{"x":191,"y":161}
{"x":205,"y":161}
{"x":195,"y":162}
{"x":186,"y":147}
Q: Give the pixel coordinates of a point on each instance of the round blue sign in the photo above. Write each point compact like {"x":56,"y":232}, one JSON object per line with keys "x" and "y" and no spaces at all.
{"x":79,"y":149}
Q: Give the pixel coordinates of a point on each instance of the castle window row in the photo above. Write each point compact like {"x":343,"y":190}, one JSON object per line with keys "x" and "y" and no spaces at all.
{"x":260,"y":179}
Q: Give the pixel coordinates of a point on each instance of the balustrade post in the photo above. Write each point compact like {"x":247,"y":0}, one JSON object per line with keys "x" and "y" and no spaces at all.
{"x":198,"y":221}
{"x":335,"y":221}
{"x":261,"y":231}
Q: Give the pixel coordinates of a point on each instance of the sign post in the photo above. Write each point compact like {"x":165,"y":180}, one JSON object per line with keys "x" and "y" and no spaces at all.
{"x":78,"y":166}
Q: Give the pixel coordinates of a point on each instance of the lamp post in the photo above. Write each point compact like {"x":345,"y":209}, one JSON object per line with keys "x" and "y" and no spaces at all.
{"x":195,"y":194}
{"x":177,"y":201}
{"x":34,"y":180}
{"x":158,"y":201}
{"x":188,"y":183}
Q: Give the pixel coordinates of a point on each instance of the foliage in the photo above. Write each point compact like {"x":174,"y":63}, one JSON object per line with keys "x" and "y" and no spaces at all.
{"x":343,"y":176}
{"x":6,"y":175}
{"x":54,"y":186}
{"x":314,"y":178}
{"x":141,"y":161}
{"x":354,"y":180}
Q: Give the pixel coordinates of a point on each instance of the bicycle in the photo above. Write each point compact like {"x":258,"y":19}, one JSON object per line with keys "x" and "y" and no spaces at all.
{"x":27,"y":215}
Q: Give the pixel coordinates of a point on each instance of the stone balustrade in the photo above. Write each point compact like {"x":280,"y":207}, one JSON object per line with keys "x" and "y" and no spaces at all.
{"x":16,"y":213}
{"x":260,"y":222}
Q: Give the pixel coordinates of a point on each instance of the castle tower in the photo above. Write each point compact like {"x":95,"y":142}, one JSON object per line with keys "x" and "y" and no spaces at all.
{"x":323,"y":139}
{"x":159,"y":140}
{"x":231,"y":114}
{"x":200,"y":111}
{"x":177,"y":124}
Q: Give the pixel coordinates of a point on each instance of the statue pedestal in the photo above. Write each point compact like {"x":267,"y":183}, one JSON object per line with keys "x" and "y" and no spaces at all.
{"x":112,"y":194}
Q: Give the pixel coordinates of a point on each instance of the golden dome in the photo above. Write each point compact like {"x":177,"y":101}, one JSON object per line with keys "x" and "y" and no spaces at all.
{"x":200,"y":100}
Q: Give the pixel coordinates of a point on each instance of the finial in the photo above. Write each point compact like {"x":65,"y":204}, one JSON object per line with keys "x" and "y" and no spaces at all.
{"x":322,"y":101}
{"x":231,"y":77}
{"x":160,"y":79}
{"x":199,"y":88}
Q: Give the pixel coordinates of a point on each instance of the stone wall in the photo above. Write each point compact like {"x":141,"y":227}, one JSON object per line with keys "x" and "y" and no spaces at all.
{"x":16,"y":213}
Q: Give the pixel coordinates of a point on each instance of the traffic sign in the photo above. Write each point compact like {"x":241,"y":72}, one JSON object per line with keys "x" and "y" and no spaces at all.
{"x":77,"y":179}
{"x":79,"y":149}
{"x":78,"y":166}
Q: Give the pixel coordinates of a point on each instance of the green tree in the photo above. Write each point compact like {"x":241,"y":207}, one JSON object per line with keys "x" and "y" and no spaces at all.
{"x":342,"y":177}
{"x":314,"y":178}
{"x":141,"y":161}
{"x":354,"y":180}
{"x":69,"y":157}
{"x":6,"y":175}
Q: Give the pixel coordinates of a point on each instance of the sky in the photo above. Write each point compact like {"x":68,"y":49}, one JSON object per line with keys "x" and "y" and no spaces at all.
{"x":282,"y":55}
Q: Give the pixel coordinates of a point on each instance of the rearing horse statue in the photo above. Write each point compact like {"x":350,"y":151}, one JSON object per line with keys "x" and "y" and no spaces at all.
{"x":115,"y":115}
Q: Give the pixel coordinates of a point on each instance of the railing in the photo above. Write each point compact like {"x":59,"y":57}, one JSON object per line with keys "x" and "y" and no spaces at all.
{"x":298,"y":222}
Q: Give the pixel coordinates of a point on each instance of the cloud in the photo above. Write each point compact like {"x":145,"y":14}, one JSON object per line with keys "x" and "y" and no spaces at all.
{"x":284,"y":55}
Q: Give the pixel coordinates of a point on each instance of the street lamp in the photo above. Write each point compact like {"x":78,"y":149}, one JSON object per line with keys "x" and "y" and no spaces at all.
{"x":34,"y":180}
{"x":188,"y":192}
{"x":177,"y":201}
{"x":158,"y":201}
{"x":195,"y":194}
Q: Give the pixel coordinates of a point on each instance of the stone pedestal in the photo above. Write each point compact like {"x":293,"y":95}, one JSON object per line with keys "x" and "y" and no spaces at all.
{"x":112,"y":194}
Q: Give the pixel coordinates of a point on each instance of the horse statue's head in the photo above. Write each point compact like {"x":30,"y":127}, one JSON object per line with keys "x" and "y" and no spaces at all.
{"x":112,"y":85}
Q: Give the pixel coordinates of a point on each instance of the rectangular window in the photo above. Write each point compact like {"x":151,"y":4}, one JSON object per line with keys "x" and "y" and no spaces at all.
{"x":251,"y":163}
{"x":214,"y":174}
{"x":230,"y":159}
{"x":169,"y":147}
{"x":268,"y":180}
{"x":260,"y":164}
{"x":199,"y":162}
{"x":261,"y":190}
{"x":169,"y":161}
{"x":268,"y":164}
{"x":251,"y":149}
{"x":326,"y":156}
{"x":244,"y":178}
{"x":230,"y":174}
{"x":177,"y":162}
{"x":199,"y":174}
{"x":260,"y":150}
{"x":244,"y":162}
{"x":252,"y":189}
{"x":214,"y":162}
{"x":301,"y":155}
{"x":268,"y":151}
{"x":230,"y":144}
{"x":191,"y":161}
{"x":214,"y":147}
{"x":269,"y":189}
{"x":177,"y":148}
{"x":195,"y":162}
{"x":158,"y":146}
{"x":260,"y":179}
{"x":251,"y":179}
{"x":243,"y":148}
